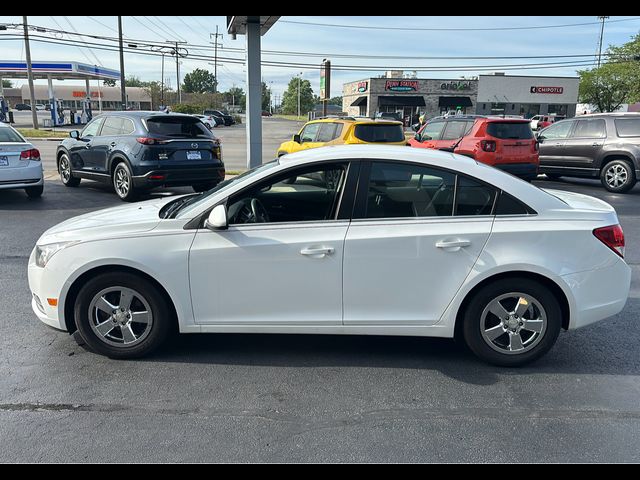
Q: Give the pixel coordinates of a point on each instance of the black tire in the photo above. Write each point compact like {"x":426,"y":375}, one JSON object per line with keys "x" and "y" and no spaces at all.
{"x":618,"y":176}
{"x":474,"y":322}
{"x":34,"y":192}
{"x":158,"y":329}
{"x":203,"y":187}
{"x":123,"y":183}
{"x":553,"y":176}
{"x":66,"y":173}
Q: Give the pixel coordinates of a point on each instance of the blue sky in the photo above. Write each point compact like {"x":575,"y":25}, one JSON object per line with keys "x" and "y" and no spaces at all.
{"x":391,"y":36}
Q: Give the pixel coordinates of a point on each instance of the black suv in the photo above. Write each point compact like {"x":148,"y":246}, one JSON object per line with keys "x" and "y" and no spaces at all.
{"x":605,"y":145}
{"x":228,"y":119}
{"x":137,"y":151}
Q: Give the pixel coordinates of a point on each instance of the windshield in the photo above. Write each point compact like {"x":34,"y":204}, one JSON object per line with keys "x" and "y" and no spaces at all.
{"x":194,"y":202}
{"x":10,"y":135}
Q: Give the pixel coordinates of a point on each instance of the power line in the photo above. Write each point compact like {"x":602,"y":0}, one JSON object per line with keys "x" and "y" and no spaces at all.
{"x":450,"y":29}
{"x":74,"y":29}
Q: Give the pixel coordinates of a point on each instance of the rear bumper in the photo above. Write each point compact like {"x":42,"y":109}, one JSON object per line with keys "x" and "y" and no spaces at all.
{"x":528,"y":171}
{"x":21,"y":177}
{"x":598,"y":294}
{"x":179,"y":177}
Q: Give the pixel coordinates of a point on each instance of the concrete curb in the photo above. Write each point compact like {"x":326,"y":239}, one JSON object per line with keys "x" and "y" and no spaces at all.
{"x":46,"y":139}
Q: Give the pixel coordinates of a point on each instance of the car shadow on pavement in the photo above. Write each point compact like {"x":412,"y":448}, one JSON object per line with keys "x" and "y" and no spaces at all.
{"x":601,"y":348}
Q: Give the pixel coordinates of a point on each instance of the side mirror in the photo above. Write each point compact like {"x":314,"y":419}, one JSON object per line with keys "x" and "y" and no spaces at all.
{"x":296,"y":138}
{"x":415,"y":127}
{"x":539,"y":137}
{"x":74,"y":134}
{"x":217,"y":219}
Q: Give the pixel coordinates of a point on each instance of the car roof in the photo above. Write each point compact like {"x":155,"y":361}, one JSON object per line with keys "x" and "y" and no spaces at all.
{"x":355,"y":121}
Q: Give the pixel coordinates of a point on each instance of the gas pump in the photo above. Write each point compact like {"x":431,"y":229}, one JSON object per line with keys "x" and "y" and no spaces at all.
{"x":60,"y":112}
{"x":4,"y":110}
{"x":86,"y":110}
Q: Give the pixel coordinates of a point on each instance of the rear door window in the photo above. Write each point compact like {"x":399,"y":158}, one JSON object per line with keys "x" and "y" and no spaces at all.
{"x":455,"y":129}
{"x":178,"y":127}
{"x":510,"y":130}
{"x":329,"y":132}
{"x":592,"y":128}
{"x":112,"y":126}
{"x":379,"y":133}
{"x":628,"y":127}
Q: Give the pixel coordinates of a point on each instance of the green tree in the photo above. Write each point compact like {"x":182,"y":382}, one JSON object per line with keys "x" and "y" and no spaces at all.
{"x":133,"y":81}
{"x":109,"y":82}
{"x":235,"y":96}
{"x":199,"y":81}
{"x":290,"y":97}
{"x":616,"y":81}
{"x":266,"y":97}
{"x":335,"y":101}
{"x":7,"y":84}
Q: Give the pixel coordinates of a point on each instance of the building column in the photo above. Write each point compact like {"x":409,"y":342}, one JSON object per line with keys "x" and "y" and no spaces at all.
{"x":52,"y":102}
{"x":254,"y":95}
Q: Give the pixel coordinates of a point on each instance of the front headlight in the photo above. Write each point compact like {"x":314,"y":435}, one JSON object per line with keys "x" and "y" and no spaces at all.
{"x":45,"y":252}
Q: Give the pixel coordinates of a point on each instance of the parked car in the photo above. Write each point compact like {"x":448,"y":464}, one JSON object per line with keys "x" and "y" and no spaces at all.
{"x":40,"y":107}
{"x":604,"y":145}
{"x":363,"y":239}
{"x":343,"y":130}
{"x":534,"y":121}
{"x":20,"y":165}
{"x":266,"y":113}
{"x":22,"y":106}
{"x":547,"y":120}
{"x":208,"y":120}
{"x":137,"y":151}
{"x":228,"y":119}
{"x":504,"y":143}
{"x":393,"y":116}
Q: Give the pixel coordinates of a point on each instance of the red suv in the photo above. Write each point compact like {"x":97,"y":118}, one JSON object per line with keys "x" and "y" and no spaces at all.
{"x":505,"y":143}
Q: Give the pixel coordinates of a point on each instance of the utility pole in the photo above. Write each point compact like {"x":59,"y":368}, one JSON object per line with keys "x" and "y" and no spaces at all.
{"x":299,"y":77}
{"x":123,"y":87}
{"x":162,"y":83}
{"x":177,"y":52}
{"x":215,"y":55}
{"x":602,"y":19}
{"x":32,"y":95}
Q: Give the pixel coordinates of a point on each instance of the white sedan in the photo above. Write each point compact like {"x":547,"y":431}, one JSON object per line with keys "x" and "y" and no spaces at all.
{"x":340,"y":240}
{"x":208,"y":120}
{"x":20,"y":165}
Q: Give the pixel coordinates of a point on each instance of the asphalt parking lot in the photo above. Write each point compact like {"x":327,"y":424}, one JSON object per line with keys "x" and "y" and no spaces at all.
{"x":279,"y":398}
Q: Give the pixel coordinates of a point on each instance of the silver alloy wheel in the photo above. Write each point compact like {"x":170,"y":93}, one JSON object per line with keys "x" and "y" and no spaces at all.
{"x":513,"y":323}
{"x":65,"y":169}
{"x":122,"y":181}
{"x":616,"y":176}
{"x":120,"y":316}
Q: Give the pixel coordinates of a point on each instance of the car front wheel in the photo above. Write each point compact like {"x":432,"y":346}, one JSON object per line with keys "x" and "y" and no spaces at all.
{"x":122,"y":315}
{"x":512,"y":322}
{"x":618,"y":176}
{"x":66,"y":177}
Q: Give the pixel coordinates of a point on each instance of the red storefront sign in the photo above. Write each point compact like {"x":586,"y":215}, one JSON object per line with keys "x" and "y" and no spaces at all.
{"x":81,"y":94}
{"x":401,"y":85}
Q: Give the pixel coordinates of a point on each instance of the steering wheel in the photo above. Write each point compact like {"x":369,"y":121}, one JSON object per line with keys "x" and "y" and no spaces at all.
{"x":258,"y":211}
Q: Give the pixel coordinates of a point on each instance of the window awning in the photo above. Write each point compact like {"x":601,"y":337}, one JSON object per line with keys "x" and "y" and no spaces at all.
{"x":401,"y":101}
{"x":359,"y":102}
{"x":455,"y":102}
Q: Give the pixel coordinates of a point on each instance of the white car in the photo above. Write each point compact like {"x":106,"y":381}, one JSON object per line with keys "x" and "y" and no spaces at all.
{"x":357,"y":239}
{"x":534,"y":121}
{"x":20,"y":165}
{"x":207,"y":120}
{"x":40,"y":107}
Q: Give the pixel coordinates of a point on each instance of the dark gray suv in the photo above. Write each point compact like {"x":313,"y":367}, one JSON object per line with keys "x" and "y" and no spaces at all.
{"x":605,"y":145}
{"x":137,"y":151}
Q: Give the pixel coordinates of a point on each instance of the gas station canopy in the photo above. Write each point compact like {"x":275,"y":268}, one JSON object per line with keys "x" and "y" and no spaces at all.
{"x":57,"y":71}
{"x":237,"y":25}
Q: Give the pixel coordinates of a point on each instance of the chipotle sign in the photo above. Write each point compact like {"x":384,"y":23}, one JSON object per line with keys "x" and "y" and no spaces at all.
{"x":552,"y":90}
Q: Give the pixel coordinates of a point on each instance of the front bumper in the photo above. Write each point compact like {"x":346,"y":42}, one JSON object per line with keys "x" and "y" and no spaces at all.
{"x":43,"y":285}
{"x":180,"y":177}
{"x":30,"y":175}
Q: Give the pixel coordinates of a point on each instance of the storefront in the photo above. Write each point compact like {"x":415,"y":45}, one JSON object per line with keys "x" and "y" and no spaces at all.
{"x":409,"y":97}
{"x":105,"y":98}
{"x":527,"y":95}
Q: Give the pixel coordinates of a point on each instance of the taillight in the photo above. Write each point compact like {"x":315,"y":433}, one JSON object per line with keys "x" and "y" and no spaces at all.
{"x":613,"y":237}
{"x":488,"y":145}
{"x":31,"y":154}
{"x":150,"y":141}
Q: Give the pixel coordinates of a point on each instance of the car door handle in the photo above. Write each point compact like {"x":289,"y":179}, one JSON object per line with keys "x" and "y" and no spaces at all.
{"x":319,"y":252}
{"x":453,"y":243}
{"x":112,"y":144}
{"x":596,"y":144}
{"x":88,"y":145}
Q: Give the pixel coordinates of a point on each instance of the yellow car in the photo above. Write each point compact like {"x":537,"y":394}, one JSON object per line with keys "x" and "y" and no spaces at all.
{"x":344,"y":130}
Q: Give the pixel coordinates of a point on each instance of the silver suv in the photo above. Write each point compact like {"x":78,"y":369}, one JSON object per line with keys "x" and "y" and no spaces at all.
{"x":605,"y":145}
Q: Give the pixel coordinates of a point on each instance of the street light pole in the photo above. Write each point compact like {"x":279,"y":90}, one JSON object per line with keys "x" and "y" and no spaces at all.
{"x":299,"y":77}
{"x":123,"y":92}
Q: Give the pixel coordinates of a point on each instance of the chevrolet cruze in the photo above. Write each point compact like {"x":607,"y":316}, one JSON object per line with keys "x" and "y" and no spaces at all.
{"x":340,"y":240}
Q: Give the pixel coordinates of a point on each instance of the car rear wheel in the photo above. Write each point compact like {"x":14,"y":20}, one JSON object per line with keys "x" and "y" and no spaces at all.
{"x":512,"y":322}
{"x":123,"y":183}
{"x":34,"y":192}
{"x":122,"y":315}
{"x":618,"y":176}
{"x":66,"y":177}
